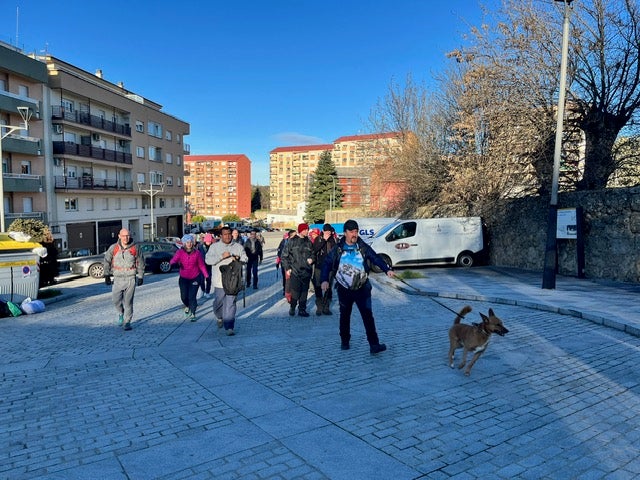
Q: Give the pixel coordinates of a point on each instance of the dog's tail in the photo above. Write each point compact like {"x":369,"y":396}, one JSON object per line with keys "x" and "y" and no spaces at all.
{"x":466,"y":309}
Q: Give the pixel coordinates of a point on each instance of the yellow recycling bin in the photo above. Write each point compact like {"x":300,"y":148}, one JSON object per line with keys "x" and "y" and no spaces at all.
{"x":19,"y":269}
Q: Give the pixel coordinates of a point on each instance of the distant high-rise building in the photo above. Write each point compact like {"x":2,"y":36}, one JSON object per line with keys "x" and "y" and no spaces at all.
{"x":218,"y":185}
{"x":361,"y":162}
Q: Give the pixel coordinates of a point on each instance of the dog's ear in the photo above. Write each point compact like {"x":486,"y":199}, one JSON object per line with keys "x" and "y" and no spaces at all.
{"x":491,"y":314}
{"x":484,"y":317}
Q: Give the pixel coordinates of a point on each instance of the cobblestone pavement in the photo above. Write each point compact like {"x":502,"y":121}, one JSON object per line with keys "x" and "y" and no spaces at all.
{"x":557,"y":397}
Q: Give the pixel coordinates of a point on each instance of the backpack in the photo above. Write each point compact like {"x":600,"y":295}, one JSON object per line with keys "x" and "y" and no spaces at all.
{"x":132,"y":249}
{"x":232,"y":281}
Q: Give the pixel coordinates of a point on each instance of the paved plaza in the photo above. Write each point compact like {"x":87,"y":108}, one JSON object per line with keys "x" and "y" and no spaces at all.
{"x":556,"y":398}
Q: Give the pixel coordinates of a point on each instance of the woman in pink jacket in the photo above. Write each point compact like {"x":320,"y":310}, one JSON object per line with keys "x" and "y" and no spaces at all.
{"x":192,"y":269}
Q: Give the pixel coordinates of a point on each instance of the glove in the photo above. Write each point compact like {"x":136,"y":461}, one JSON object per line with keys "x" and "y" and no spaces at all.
{"x":107,"y":280}
{"x":140,"y":281}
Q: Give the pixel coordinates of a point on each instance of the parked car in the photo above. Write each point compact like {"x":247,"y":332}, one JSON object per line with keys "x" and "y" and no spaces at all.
{"x":175,"y":240}
{"x":156,"y":259}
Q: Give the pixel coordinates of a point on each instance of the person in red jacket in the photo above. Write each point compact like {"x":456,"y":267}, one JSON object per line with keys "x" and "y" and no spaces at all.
{"x":192,"y":269}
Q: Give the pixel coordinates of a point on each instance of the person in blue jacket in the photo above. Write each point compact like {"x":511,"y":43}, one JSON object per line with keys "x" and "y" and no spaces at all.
{"x":349,"y":263}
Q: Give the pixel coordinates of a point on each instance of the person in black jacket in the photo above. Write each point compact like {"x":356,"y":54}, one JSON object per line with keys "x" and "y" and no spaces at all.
{"x":253,"y":249}
{"x":297,"y":260}
{"x":322,"y":245}
{"x":349,"y":263}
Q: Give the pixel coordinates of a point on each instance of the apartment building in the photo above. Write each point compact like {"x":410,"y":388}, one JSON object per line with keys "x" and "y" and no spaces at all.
{"x":97,"y":157}
{"x":218,"y":185}
{"x":362,"y":165}
{"x":23,"y":85}
{"x":290,"y":173}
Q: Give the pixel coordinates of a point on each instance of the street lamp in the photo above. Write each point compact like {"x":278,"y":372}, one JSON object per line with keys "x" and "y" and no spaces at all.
{"x":151,"y":192}
{"x":25,"y":114}
{"x":550,"y":256}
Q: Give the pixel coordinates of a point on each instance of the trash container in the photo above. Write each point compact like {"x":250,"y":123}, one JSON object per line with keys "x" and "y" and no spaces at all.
{"x":19,"y":269}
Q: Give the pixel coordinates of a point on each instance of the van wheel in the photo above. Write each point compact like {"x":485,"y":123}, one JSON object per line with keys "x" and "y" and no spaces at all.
{"x":465,"y":259}
{"x":385,"y":259}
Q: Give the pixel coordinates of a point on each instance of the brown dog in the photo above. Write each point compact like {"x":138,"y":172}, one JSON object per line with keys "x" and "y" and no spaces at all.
{"x":473,"y":338}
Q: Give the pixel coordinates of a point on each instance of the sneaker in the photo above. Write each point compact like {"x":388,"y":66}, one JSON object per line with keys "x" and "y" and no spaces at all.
{"x":192,"y":317}
{"x":230,"y":332}
{"x":120,"y":319}
{"x":127,"y":326}
{"x":292,"y":311}
{"x":381,"y":347}
{"x":303,"y":313}
{"x":220,"y":323}
{"x":187,"y":314}
{"x":344,"y":346}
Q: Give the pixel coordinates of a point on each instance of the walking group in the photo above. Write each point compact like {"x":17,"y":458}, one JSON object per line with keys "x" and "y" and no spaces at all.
{"x":321,"y":263}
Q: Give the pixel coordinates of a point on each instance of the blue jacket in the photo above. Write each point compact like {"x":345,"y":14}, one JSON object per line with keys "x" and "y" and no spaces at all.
{"x":332,"y":260}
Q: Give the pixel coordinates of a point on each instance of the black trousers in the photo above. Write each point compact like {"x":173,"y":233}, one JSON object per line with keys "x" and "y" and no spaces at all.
{"x":362,"y":300}
{"x":299,"y":285}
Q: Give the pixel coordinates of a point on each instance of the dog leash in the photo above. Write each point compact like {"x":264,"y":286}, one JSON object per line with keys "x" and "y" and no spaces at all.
{"x":420,"y":291}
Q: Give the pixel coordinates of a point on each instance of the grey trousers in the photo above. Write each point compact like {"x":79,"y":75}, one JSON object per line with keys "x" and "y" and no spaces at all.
{"x":122,"y":295}
{"x":224,"y":308}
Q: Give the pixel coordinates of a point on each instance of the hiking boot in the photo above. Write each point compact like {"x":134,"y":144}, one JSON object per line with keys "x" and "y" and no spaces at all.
{"x":120,"y":319}
{"x":230,"y":332}
{"x":302,"y":313}
{"x":292,"y":311}
{"x":344,"y":346}
{"x":380,"y":347}
{"x":127,"y":326}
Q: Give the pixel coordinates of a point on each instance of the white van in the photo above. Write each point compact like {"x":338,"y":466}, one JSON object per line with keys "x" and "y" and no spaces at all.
{"x":430,"y":241}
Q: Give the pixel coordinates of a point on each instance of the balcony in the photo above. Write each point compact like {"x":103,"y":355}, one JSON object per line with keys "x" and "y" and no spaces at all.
{"x":9,"y":217}
{"x":18,"y":144}
{"x":20,"y":182}
{"x":89,"y":182}
{"x":84,"y":118}
{"x":89,"y":151}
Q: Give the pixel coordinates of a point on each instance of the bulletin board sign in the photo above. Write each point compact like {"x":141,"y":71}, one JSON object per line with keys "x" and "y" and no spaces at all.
{"x":567,"y":226}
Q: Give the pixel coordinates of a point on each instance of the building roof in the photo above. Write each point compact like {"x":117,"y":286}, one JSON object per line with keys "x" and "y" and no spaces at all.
{"x":371,"y":136}
{"x":213,"y":158}
{"x":303,"y":148}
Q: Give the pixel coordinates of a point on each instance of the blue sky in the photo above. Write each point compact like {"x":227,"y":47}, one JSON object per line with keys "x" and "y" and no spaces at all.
{"x":255,"y":75}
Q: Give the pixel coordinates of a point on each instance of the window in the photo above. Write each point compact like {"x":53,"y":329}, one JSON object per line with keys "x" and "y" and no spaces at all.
{"x":169,"y":158}
{"x":105,"y":204}
{"x":167,"y":135}
{"x":67,"y":105}
{"x":140,"y":152}
{"x":23,"y":90}
{"x":139,"y":127}
{"x":71,"y":204}
{"x":118,"y":203}
{"x":156,"y":178}
{"x":179,"y":182}
{"x":178,"y":160}
{"x":90,"y":204}
{"x":155,"y":154}
{"x":25,"y":167}
{"x":154,"y":129}
{"x":169,"y":181}
{"x":27,"y":204}
{"x":141,"y":178}
{"x":162,"y":202}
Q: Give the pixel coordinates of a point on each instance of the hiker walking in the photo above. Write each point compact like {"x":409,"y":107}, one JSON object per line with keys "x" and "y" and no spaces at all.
{"x":297,"y":260}
{"x":253,"y":249}
{"x":124,"y":261}
{"x":192,"y":271}
{"x":322,"y":245}
{"x":223,"y":253}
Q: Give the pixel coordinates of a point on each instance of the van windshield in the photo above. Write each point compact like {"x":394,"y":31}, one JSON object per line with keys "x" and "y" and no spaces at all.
{"x":384,"y":230}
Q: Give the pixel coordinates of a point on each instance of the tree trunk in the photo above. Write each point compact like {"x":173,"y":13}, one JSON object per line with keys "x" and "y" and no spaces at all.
{"x":601,"y":131}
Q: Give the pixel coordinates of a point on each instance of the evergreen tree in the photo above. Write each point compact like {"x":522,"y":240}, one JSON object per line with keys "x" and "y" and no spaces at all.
{"x":323,"y":187}
{"x":256,"y":200}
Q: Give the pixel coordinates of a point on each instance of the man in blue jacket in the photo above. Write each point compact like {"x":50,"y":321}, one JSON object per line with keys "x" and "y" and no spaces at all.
{"x":349,"y":263}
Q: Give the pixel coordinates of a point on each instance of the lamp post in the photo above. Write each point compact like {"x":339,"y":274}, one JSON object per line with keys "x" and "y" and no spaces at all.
{"x":151,"y":192}
{"x":25,"y":114}
{"x":550,"y":257}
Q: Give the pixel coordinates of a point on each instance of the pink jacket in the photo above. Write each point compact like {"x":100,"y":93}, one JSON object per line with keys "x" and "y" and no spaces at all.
{"x":191,"y":263}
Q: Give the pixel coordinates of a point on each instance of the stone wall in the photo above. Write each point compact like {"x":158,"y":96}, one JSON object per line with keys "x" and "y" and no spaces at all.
{"x":517,"y":233}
